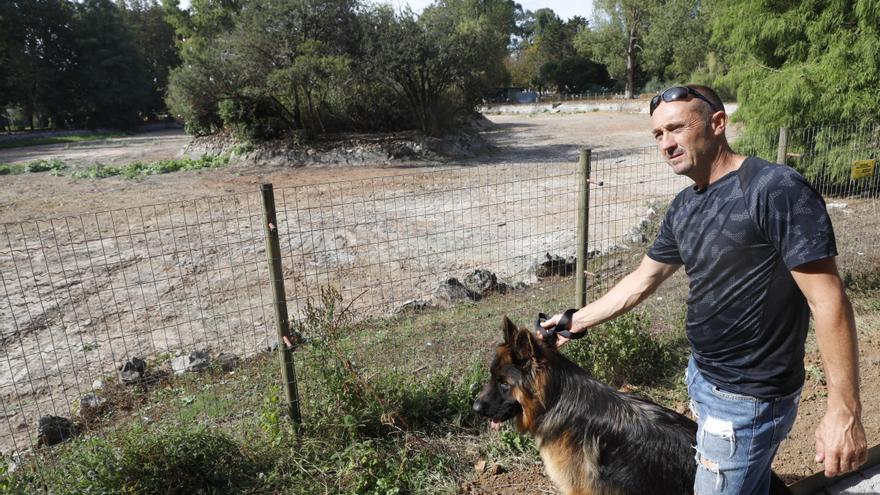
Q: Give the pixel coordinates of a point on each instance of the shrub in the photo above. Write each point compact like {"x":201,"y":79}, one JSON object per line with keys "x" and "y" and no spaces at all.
{"x":174,"y":460}
{"x":621,"y":351}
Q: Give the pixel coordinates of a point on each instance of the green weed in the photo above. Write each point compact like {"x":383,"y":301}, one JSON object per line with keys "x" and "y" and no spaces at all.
{"x":138,"y":170}
{"x":622,"y":351}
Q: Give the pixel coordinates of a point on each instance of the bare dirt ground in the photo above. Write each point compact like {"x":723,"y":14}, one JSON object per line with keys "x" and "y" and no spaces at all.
{"x":146,"y":276}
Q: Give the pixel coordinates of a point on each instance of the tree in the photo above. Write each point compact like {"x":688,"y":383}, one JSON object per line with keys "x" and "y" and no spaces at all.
{"x":546,"y":39}
{"x":675,"y":44}
{"x":156,"y":38}
{"x":804,"y":64}
{"x":112,"y":77}
{"x":575,"y":75}
{"x":615,"y":41}
{"x":40,"y":57}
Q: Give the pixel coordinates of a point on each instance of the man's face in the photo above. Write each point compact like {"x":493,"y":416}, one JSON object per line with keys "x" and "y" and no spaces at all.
{"x":684,"y":136}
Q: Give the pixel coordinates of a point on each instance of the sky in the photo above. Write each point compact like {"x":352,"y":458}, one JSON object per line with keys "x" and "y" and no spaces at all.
{"x":563,"y":8}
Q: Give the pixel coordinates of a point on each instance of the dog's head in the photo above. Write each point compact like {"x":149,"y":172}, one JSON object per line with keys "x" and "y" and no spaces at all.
{"x":515,"y":388}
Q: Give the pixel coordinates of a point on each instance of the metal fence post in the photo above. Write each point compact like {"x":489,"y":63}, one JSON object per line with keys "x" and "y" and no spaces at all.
{"x":583,"y":227}
{"x":783,"y":146}
{"x":273,"y":259}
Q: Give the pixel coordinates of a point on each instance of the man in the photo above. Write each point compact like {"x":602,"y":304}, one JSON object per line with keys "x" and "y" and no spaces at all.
{"x":759,"y":251}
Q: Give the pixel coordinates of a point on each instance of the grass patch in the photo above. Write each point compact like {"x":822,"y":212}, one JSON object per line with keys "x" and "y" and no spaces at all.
{"x":53,"y":165}
{"x":40,"y":140}
{"x":378,"y":419}
{"x":139,"y":170}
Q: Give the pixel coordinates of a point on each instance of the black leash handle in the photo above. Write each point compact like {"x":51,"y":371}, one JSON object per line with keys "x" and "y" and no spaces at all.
{"x":563,"y":327}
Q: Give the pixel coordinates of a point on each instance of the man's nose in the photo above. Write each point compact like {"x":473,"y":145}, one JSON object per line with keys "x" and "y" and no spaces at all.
{"x":667,"y":144}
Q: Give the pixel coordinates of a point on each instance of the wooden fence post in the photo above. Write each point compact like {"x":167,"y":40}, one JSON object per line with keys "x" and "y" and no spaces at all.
{"x":276,"y":276}
{"x":583,"y":227}
{"x":783,"y":146}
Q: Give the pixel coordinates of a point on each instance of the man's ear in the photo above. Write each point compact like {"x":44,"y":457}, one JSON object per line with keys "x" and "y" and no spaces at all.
{"x":522,"y":344}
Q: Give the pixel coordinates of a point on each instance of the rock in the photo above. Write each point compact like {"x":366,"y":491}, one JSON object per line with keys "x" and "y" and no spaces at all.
{"x":484,"y":282}
{"x":551,"y":265}
{"x":133,"y":371}
{"x":193,"y":362}
{"x":269,"y":344}
{"x":98,"y":384}
{"x":452,"y":292}
{"x":228,"y":361}
{"x":91,"y":402}
{"x":91,"y":406}
{"x":53,"y":430}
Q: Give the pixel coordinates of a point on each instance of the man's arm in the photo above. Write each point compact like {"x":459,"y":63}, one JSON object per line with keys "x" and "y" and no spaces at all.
{"x":625,"y":295}
{"x":840,"y":438}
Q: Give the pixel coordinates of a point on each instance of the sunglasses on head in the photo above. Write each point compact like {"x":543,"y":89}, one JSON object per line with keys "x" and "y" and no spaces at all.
{"x":678,"y":93}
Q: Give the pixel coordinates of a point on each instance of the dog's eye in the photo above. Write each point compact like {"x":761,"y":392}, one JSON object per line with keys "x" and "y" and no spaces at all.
{"x":504,"y":385}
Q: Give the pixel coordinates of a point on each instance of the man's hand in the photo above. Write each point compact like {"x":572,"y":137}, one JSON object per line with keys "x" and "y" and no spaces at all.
{"x":551,"y":322}
{"x":840,"y":442}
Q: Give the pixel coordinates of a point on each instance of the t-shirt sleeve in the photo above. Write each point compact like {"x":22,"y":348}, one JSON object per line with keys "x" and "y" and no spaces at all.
{"x":665,"y":247}
{"x":793,"y":217}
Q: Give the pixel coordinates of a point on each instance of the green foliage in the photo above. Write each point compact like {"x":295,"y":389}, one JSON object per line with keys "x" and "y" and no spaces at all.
{"x":80,"y":63}
{"x":546,"y":42}
{"x":621,"y":351}
{"x":575,"y":75}
{"x":50,"y":165}
{"x":297,"y":65}
{"x":138,"y":170}
{"x":54,"y":166}
{"x":800,"y":64}
{"x":139,"y":460}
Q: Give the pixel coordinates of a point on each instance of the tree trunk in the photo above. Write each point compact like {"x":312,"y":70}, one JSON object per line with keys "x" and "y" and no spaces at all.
{"x":631,"y":63}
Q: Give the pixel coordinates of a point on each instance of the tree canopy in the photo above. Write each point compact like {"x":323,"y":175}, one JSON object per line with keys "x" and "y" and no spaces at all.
{"x":92,"y":63}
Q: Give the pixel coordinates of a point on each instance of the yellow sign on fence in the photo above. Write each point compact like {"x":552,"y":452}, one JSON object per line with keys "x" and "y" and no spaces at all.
{"x":862,"y":169}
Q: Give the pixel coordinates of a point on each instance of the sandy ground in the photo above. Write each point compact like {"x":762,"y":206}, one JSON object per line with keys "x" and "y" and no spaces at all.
{"x":95,"y":271}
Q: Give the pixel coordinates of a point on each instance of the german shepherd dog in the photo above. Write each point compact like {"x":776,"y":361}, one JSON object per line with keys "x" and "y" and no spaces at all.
{"x":593,"y":439}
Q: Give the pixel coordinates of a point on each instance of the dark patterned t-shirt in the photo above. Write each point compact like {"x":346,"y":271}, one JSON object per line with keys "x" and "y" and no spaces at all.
{"x":738,"y":239}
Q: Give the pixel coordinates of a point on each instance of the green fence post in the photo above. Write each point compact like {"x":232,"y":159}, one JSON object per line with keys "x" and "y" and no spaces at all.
{"x":273,"y":259}
{"x":583,"y":227}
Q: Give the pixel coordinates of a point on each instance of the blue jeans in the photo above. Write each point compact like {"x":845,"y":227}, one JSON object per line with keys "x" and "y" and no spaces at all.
{"x":737,"y":436}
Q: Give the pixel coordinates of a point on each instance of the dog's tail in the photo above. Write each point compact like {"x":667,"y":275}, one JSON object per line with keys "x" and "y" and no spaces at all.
{"x":777,"y":486}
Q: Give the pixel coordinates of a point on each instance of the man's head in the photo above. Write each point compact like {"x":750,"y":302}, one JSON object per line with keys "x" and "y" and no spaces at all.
{"x":688,"y":124}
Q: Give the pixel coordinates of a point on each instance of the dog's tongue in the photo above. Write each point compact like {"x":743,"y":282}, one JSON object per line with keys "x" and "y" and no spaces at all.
{"x":495,"y":424}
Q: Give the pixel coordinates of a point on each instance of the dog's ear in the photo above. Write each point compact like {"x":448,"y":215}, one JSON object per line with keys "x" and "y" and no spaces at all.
{"x":522,"y":343}
{"x":509,"y":330}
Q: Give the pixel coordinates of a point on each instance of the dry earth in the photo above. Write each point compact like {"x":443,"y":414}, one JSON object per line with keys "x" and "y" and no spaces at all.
{"x":84,"y":289}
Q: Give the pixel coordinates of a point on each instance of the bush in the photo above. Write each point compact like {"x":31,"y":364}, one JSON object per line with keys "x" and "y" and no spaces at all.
{"x":254,"y":120}
{"x":621,"y":351}
{"x":172,"y":460}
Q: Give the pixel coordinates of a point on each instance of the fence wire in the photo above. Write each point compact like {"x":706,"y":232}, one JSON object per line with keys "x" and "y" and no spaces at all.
{"x":81,"y":295}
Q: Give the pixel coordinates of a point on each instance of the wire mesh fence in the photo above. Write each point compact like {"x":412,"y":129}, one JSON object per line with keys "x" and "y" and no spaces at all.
{"x":83,"y":295}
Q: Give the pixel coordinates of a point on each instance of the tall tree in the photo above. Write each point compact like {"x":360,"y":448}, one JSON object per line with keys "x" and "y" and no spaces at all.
{"x":805,"y":63}
{"x":617,"y":37}
{"x":112,"y":76}
{"x":675,"y":43}
{"x":546,"y":40}
{"x":41,"y":58}
{"x":156,"y":38}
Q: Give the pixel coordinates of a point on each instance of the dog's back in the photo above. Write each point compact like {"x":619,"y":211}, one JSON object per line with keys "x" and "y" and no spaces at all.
{"x":596,"y":440}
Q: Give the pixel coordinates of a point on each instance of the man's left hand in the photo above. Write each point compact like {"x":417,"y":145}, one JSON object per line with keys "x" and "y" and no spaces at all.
{"x":840,"y":442}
